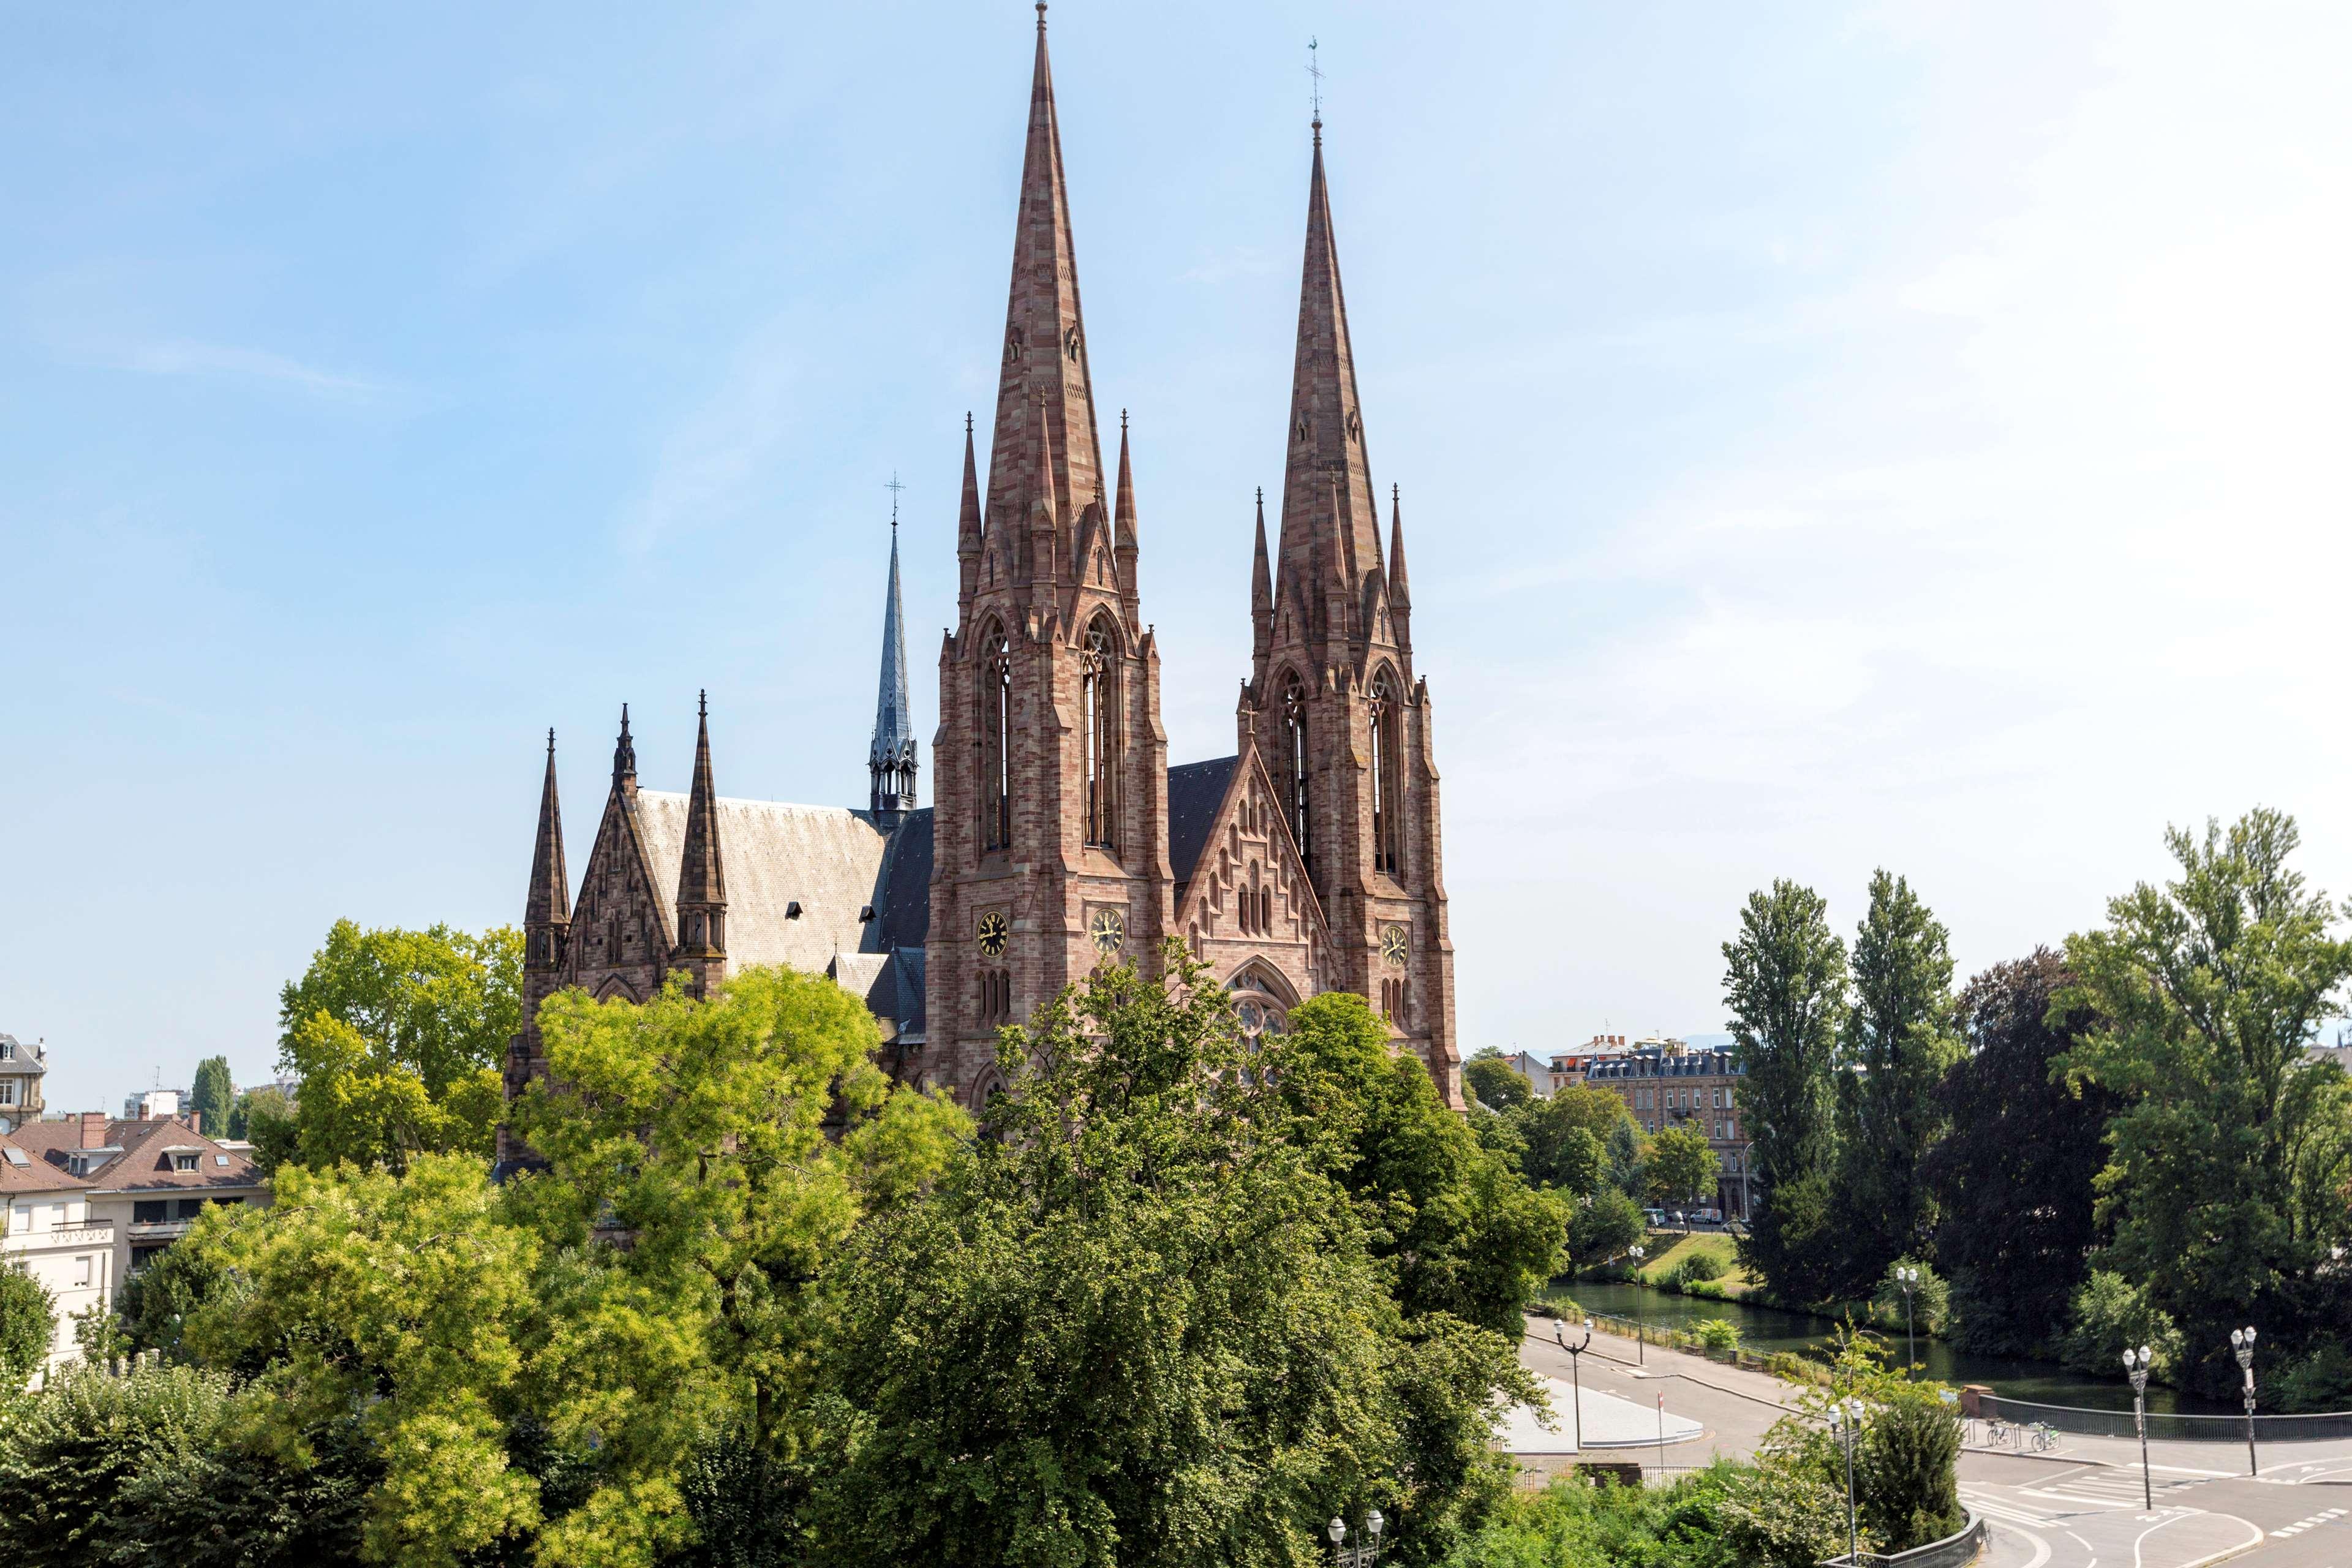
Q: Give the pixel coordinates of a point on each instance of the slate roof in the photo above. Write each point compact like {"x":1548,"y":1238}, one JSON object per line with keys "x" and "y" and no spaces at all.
{"x":1195,"y":790}
{"x":18,"y":1059}
{"x":1691,"y":1063}
{"x":902,"y":902}
{"x":823,"y":857}
{"x":144,"y":1163}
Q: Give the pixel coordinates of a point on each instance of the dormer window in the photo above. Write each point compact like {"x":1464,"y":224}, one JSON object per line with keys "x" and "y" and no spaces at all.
{"x":184,"y":1162}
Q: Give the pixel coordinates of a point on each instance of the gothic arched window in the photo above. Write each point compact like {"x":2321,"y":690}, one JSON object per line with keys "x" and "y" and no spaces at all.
{"x":995,"y":736}
{"x":1294,"y":728}
{"x":1098,"y":699}
{"x":1388,"y":775}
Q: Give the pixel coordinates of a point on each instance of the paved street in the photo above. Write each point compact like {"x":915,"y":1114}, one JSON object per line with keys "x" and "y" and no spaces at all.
{"x":2078,"y":1507}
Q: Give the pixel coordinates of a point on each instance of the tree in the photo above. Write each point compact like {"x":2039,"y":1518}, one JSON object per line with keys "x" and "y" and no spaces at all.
{"x":2013,"y":1173}
{"x":1566,"y":1138}
{"x":1498,"y":1085}
{"x":1682,"y":1165}
{"x":28,"y":1323}
{"x":1139,"y":1320}
{"x":397,"y":1036}
{"x":1627,"y":1150}
{"x":266,"y":1117}
{"x":2229,"y":1161}
{"x":1463,"y":1232}
{"x":1785,"y":985}
{"x":212,"y":1095}
{"x":1899,"y":1042}
{"x":1603,"y":1227}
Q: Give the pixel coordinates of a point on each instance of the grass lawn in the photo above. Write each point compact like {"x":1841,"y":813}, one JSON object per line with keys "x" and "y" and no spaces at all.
{"x":1658,"y":1265}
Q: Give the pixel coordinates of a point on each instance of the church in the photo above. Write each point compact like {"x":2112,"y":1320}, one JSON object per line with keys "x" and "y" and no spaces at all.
{"x":1060,"y":837}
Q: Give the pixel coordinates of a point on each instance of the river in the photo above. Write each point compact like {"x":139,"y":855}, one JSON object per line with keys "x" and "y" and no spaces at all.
{"x":1772,"y":1328}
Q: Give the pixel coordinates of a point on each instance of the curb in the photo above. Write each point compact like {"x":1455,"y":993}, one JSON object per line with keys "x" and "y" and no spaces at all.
{"x":1684,"y":1376}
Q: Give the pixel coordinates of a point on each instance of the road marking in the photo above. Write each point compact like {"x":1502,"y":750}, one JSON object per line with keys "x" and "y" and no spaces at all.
{"x":2313,"y":1523}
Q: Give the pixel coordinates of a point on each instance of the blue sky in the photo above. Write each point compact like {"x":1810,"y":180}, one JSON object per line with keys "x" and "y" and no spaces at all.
{"x":1830,"y":436}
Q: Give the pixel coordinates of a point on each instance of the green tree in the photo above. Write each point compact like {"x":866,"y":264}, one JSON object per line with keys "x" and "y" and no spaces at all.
{"x":266,"y":1117}
{"x":1498,"y":1085}
{"x":397,"y":1036}
{"x":211,"y":1097}
{"x":1627,"y":1154}
{"x":1138,"y":1323}
{"x":1566,"y":1137}
{"x":1900,"y":1040}
{"x":28,"y":1323}
{"x":1682,"y":1166}
{"x":1785,"y":986}
{"x":2013,"y":1174}
{"x":1602,"y":1227}
{"x":1461,"y":1231}
{"x":2229,"y":1158}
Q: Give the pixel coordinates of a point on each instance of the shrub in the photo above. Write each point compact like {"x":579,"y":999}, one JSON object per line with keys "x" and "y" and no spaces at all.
{"x":1716,"y":1336}
{"x":1708,"y":1290}
{"x":1698,"y":1266}
{"x":1907,"y":1476}
{"x":1576,"y":1524}
{"x":1931,"y":1300}
{"x":2108,"y":1313}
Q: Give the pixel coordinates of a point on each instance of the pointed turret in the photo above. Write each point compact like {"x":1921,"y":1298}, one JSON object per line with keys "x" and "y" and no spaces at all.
{"x":547,"y":909}
{"x":968,"y":527}
{"x":1045,"y":518}
{"x":624,"y":758}
{"x":1124,"y":531}
{"x":1044,"y":356}
{"x":890,"y":763}
{"x":1327,"y":508}
{"x":701,"y":872}
{"x":1400,"y":591}
{"x":1261,"y":595}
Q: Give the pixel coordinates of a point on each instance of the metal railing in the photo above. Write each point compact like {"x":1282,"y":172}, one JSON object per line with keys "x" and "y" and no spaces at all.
{"x":2165,"y":1426}
{"x":1949,"y":1552}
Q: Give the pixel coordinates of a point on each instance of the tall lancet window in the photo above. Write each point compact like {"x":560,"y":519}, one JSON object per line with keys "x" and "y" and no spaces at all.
{"x":1388,"y":775}
{"x":1294,"y":730}
{"x":1099,"y":702}
{"x":995,"y":695}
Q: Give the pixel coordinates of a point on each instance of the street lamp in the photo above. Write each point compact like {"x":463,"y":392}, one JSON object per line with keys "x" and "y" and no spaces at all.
{"x":1575,"y":1374}
{"x":1367,"y":1550}
{"x":1909,"y":1279}
{"x":2136,"y":1368}
{"x":1846,"y":1417}
{"x":2242,"y":1342}
{"x":1641,"y":1331}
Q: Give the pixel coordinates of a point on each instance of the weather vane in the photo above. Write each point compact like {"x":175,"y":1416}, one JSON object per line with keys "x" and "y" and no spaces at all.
{"x":894,"y":487}
{"x":1316,"y":92}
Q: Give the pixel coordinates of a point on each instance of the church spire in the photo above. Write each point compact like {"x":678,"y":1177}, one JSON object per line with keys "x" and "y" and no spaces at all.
{"x":1327,"y":508}
{"x":1044,"y":354}
{"x":701,"y":873}
{"x":891,"y":762}
{"x":1261,"y":595}
{"x":1124,"y":530}
{"x":548,"y":906}
{"x":968,"y":525}
{"x":625,"y":757}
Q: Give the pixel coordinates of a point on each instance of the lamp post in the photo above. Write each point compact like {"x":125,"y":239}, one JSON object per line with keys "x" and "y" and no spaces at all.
{"x":1367,"y":1550}
{"x":2136,"y":1368}
{"x":1575,"y":1372}
{"x":1641,"y":1331}
{"x":2242,"y":1342}
{"x":1909,"y":1279}
{"x":1845,"y":1414}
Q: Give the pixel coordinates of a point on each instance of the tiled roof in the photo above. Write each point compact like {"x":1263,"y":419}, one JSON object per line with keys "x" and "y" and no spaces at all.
{"x":145,"y":1159}
{"x":1195,"y":790}
{"x":23,"y":1170}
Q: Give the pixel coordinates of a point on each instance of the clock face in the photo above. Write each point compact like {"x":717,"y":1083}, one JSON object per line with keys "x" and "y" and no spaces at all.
{"x":1108,"y":928}
{"x":992,"y":928}
{"x":1392,"y":946}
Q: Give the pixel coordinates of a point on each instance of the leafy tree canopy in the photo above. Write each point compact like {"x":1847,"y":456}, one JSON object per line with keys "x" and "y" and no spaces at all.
{"x":397,"y":1036}
{"x":28,"y":1323}
{"x":212,"y":1095}
{"x":1498,"y":1085}
{"x":1682,"y":1166}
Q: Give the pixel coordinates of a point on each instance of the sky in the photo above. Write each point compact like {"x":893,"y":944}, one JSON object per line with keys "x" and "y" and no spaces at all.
{"x":1830,"y":437}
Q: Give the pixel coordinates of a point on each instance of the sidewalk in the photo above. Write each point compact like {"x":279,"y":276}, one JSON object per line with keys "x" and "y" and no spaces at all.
{"x":1729,"y":1409}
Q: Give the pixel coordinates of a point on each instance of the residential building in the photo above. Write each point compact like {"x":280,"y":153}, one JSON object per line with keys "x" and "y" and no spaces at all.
{"x":150,"y":1103}
{"x":149,"y":1178}
{"x":22,"y":1068}
{"x":1535,"y":1070}
{"x":1664,"y":1087}
{"x":46,"y":1225}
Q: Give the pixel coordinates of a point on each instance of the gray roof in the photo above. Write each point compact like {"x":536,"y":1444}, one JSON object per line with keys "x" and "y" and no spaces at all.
{"x":902,"y":902}
{"x":1195,"y":791}
{"x":824,"y":858}
{"x":1691,"y":1063}
{"x":20,"y":1061}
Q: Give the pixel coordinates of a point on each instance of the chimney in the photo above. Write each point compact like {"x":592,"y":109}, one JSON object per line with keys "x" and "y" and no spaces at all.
{"x":93,"y":1129}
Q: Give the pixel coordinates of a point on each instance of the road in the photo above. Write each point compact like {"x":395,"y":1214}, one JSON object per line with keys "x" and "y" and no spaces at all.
{"x":2079,"y":1507}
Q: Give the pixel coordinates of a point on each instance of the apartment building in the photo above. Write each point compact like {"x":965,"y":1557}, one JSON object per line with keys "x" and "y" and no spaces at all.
{"x":22,"y":1068}
{"x":148,"y":1179}
{"x":46,"y":1226}
{"x":1666,"y":1084}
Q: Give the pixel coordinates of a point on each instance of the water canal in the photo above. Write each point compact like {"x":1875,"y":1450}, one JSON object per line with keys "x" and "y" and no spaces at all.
{"x":1766,"y":1329}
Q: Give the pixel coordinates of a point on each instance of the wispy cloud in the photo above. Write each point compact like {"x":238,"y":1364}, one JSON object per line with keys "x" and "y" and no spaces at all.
{"x":184,"y":356}
{"x":713,"y":459}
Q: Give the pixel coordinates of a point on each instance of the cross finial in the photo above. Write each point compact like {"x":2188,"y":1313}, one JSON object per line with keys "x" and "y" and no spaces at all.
{"x":967,"y":421}
{"x":702,"y":704}
{"x":1122,"y":421}
{"x":1261,"y":495}
{"x":550,"y":740}
{"x":1041,"y":16}
{"x":1314,"y":71}
{"x":894,"y":487}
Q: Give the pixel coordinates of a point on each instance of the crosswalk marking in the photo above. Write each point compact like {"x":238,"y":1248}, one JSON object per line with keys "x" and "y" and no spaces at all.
{"x":2327,"y":1516}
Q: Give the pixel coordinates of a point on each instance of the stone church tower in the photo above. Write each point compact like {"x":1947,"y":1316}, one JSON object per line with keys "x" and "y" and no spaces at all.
{"x":1051,"y":770}
{"x":1333,"y":707}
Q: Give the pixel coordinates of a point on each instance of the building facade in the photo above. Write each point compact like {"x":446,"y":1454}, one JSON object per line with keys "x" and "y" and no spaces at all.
{"x":1698,"y":1090}
{"x":1060,"y":837}
{"x":22,"y":1068}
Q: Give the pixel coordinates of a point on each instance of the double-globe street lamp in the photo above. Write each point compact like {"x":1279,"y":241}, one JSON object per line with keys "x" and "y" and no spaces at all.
{"x":1366,"y":1552}
{"x":2136,"y":1368}
{"x":2241,"y":1341}
{"x":1575,"y":1372}
{"x":1845,"y":1419}
{"x":1641,"y":1334}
